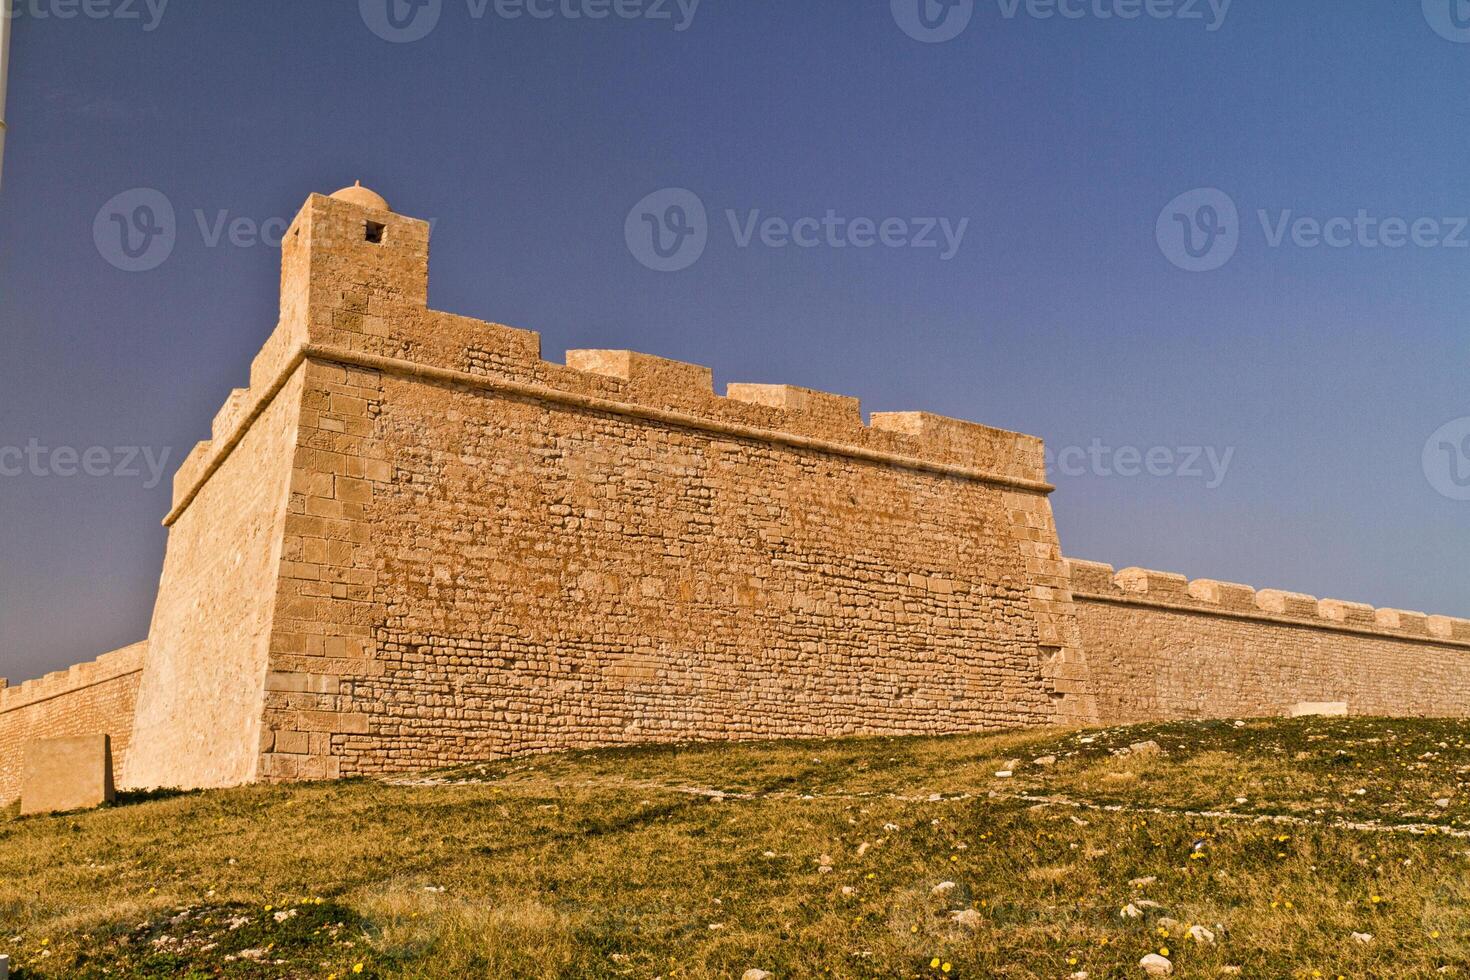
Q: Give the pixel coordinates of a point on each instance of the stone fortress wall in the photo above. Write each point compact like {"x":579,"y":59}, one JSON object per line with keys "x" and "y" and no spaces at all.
{"x":95,"y":697}
{"x":487,"y":553}
{"x":412,"y":541}
{"x":1162,"y":647}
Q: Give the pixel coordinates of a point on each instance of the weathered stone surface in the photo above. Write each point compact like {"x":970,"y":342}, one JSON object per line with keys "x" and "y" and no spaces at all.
{"x":61,"y":774}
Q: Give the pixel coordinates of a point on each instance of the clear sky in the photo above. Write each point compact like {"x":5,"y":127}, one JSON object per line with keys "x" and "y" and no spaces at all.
{"x":1321,"y":387}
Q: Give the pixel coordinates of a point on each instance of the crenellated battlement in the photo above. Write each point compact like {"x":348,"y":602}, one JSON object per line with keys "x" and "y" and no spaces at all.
{"x":109,"y":666}
{"x":1093,"y":580}
{"x":363,"y":304}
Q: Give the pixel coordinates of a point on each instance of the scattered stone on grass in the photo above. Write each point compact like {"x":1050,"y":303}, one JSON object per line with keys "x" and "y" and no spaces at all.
{"x":1156,"y":966}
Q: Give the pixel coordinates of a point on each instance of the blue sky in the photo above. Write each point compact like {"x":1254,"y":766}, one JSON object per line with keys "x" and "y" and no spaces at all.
{"x":1320,"y":388}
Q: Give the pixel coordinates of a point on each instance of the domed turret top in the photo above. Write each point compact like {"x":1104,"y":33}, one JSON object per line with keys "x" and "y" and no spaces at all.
{"x":362,"y":197}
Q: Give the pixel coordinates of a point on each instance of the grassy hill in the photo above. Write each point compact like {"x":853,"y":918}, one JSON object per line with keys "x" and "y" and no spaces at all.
{"x":859,"y":858}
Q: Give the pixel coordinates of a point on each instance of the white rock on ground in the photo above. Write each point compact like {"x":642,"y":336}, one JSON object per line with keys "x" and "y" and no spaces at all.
{"x":1363,"y":937}
{"x":943,"y":888}
{"x":1202,"y":935}
{"x":966,"y":918}
{"x":1156,"y":966}
{"x":755,"y":975}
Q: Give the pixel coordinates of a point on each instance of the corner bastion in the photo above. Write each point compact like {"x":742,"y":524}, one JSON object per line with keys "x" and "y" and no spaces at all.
{"x":411,"y":541}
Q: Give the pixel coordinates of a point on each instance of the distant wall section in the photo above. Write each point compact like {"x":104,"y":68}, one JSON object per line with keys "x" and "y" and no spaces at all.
{"x":1162,"y":647}
{"x":88,"y":699}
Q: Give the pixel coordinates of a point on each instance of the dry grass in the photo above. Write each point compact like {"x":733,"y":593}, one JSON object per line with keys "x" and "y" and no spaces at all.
{"x":627,"y":864}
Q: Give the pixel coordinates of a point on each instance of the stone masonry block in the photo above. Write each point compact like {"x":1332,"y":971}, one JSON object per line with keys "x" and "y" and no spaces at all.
{"x":1349,"y":613}
{"x":1286,"y":603}
{"x":1091,"y":576}
{"x":1226,"y":595}
{"x":1155,"y":585}
{"x":62,"y":774}
{"x":1403,"y":620}
{"x":819,"y":404}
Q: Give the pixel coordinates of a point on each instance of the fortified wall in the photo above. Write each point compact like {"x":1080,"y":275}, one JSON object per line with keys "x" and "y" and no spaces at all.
{"x":90,"y":698}
{"x":411,"y":541}
{"x":1161,"y":647}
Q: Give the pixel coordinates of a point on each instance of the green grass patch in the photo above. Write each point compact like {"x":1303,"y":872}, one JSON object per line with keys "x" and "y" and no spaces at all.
{"x":854,"y":858}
